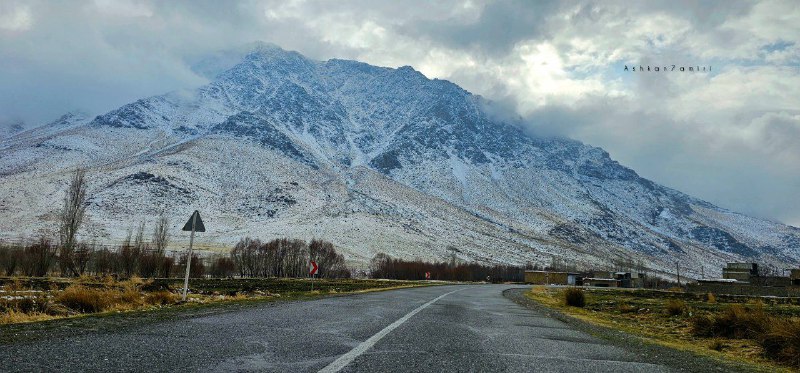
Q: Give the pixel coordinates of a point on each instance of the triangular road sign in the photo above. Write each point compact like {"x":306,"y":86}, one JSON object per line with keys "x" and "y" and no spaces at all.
{"x":198,"y":224}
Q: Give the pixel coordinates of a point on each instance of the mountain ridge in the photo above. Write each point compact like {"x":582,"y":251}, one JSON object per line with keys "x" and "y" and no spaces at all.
{"x":353,"y":129}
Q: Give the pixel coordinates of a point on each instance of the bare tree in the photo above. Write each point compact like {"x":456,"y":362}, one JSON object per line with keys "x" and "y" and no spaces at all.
{"x":160,"y":234}
{"x":71,"y":218}
{"x":160,"y":241}
{"x":138,"y":242}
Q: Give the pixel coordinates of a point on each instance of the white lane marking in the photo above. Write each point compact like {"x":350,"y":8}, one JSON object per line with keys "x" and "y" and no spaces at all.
{"x":347,"y":358}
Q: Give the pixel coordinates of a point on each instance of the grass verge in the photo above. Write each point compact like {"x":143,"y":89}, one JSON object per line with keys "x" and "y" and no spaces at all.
{"x":668,"y":319}
{"x":25,"y":300}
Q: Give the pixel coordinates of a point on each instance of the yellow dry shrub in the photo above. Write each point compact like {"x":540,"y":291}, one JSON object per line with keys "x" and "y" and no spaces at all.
{"x":161,"y":297}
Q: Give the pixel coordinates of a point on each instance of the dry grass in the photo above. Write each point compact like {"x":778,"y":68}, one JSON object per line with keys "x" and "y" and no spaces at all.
{"x":646,"y":314}
{"x":86,"y":294}
{"x":782,"y":341}
{"x":717,"y":345}
{"x":13,"y":317}
{"x":160,"y":298}
{"x":84,"y":299}
{"x":737,"y":322}
{"x":779,"y":337}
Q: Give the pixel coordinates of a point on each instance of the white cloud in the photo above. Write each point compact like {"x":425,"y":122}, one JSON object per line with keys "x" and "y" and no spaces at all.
{"x":14,"y":17}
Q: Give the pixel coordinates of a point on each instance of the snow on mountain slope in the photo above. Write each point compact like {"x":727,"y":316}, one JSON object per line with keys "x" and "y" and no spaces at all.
{"x":374,"y":159}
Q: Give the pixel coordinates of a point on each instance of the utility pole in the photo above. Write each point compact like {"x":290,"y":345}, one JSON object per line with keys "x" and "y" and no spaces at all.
{"x":678,"y":271}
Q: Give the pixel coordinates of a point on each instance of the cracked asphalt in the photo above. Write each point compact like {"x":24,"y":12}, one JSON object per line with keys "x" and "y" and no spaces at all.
{"x":473,"y":328}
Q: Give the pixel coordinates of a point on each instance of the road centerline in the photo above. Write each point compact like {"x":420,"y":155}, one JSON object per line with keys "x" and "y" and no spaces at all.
{"x":351,"y":355}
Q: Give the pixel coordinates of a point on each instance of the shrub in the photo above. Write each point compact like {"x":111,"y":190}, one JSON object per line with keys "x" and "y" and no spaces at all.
{"x":781,"y":342}
{"x":711,"y":298}
{"x":83,"y":299}
{"x":10,"y":258}
{"x":38,"y":258}
{"x":702,"y":325}
{"x":574,"y":297}
{"x":150,"y":263}
{"x":161,"y":297}
{"x":675,"y":307}
{"x":222,"y":267}
{"x":736,"y":321}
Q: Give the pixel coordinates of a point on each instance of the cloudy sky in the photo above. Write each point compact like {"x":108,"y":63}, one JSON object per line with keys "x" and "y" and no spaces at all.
{"x":730,"y":136}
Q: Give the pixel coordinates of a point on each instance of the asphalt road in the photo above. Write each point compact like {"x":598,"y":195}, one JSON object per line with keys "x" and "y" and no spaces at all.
{"x":432,"y":329}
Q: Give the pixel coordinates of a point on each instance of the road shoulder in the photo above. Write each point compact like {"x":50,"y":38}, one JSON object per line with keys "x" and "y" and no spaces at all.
{"x":115,"y":321}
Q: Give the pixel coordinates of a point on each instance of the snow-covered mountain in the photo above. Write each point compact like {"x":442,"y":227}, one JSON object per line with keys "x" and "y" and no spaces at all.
{"x":374,"y":159}
{"x":10,"y":128}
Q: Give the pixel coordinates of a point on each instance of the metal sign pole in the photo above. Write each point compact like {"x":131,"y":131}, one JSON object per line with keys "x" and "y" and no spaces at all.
{"x":189,"y":258}
{"x":312,"y":270}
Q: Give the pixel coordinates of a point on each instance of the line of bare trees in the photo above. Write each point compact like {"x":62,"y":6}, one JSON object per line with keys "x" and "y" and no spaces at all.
{"x":287,"y":258}
{"x":384,"y":266}
{"x":133,"y":257}
{"x":73,"y":258}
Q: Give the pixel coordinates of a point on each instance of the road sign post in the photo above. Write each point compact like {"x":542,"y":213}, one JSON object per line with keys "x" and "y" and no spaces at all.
{"x":312,"y":270}
{"x":195,"y":224}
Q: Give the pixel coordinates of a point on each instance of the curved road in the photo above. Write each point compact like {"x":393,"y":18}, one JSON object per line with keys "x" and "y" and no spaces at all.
{"x":433,"y":329}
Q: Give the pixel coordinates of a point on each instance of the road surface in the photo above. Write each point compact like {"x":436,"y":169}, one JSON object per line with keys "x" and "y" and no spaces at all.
{"x":433,"y":329}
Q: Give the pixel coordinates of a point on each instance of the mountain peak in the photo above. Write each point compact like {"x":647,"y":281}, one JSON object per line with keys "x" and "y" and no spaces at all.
{"x":359,"y":127}
{"x":267,"y":51}
{"x":210,"y":65}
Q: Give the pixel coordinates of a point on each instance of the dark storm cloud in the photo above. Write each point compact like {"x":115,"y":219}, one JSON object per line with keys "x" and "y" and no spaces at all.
{"x":498,"y":28}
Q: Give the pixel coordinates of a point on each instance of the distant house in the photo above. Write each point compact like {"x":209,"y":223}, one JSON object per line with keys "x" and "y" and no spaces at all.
{"x":552,"y":278}
{"x":601,"y":282}
{"x":743,"y":279}
{"x":623,"y":279}
{"x":628,"y":279}
{"x":742,"y":272}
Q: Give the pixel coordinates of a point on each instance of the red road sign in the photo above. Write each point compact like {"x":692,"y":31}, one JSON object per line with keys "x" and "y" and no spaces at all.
{"x":427,"y":275}
{"x":313,"y":269}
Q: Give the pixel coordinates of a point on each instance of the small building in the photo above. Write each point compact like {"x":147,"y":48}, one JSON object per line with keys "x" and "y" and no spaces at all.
{"x":740,"y":271}
{"x":628,"y":279}
{"x":551,"y":278}
{"x":776,"y":281}
{"x":717,"y":281}
{"x":601,"y":282}
{"x":795,"y":277}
